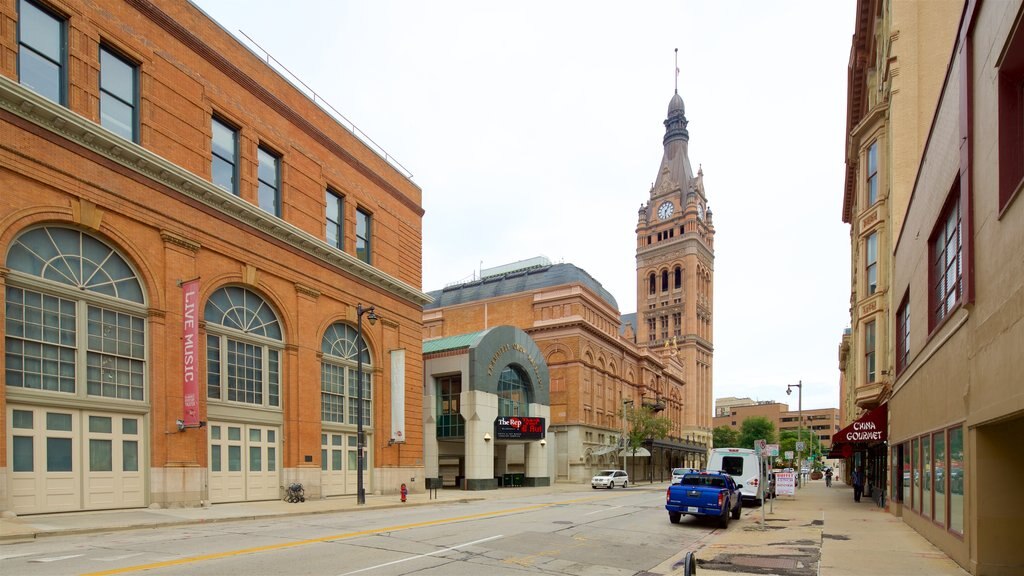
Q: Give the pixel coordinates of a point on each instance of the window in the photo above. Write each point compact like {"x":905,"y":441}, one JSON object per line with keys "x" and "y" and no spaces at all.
{"x":915,"y":487}
{"x":652,"y":329}
{"x":1011,"y":119}
{"x":946,"y":262}
{"x":664,"y":280}
{"x":678,"y":278}
{"x":926,"y":477}
{"x":335,"y":217}
{"x":243,"y":349}
{"x":956,"y":480}
{"x":118,"y":95}
{"x":872,"y":183}
{"x":513,"y":392}
{"x":363,"y":235}
{"x":869,"y":352}
{"x":63,"y":333}
{"x":339,"y":379}
{"x":42,"y":51}
{"x":652,"y":286}
{"x":450,"y":422}
{"x":871,"y":262}
{"x":939,"y":481}
{"x":224,"y":156}
{"x":269,"y":182}
{"x":903,"y":333}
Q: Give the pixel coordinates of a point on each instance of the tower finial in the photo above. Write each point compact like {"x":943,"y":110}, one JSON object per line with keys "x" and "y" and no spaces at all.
{"x":677,"y":70}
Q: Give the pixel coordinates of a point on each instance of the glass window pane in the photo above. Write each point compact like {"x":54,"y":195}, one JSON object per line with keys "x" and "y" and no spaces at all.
{"x":268,"y":198}
{"x":271,"y":437}
{"x":939,"y":467}
{"x":271,"y":459}
{"x":352,"y":465}
{"x":130,"y":426}
{"x":926,"y":477}
{"x":234,"y":458}
{"x":130,"y":456}
{"x":234,"y":433}
{"x":215,"y":432}
{"x":40,"y":30}
{"x":323,"y":459}
{"x":100,"y":424}
{"x":916,"y":496}
{"x":58,"y":421}
{"x":100,"y":455}
{"x":336,"y":459}
{"x":117,"y":116}
{"x":117,"y":76}
{"x":956,"y":480}
{"x":58,"y":455}
{"x":22,"y":419}
{"x":215,"y":465}
{"x":255,"y":459}
{"x":255,"y":435}
{"x":223,"y":174}
{"x":24,"y":454}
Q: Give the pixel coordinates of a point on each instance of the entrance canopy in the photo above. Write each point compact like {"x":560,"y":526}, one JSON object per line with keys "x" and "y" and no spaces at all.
{"x":640,"y":452}
{"x":871,"y":428}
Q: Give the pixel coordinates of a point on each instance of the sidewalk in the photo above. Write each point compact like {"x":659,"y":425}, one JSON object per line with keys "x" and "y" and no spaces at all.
{"x":820,"y":531}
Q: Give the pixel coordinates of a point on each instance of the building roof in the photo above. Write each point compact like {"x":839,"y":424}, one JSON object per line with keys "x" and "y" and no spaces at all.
{"x":526,"y":279}
{"x":457,"y":342}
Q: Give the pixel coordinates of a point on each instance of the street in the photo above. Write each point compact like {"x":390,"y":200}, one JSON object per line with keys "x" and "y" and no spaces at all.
{"x":622,"y":531}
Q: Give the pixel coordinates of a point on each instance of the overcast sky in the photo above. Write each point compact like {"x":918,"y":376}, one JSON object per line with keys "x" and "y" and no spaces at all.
{"x":534,"y":128}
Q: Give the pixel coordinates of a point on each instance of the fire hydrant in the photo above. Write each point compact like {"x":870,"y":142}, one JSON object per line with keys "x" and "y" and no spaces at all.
{"x":405,"y":492}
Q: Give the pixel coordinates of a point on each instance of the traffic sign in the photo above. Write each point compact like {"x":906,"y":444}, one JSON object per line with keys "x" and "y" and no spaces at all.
{"x":799,"y":446}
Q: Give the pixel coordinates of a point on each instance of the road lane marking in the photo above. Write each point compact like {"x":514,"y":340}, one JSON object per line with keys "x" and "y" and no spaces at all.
{"x":345,"y":536}
{"x":422,"y":555}
{"x":602,"y":510}
{"x":115,"y":558}
{"x":56,"y":558}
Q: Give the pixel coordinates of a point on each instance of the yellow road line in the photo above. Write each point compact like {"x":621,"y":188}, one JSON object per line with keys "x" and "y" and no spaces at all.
{"x":284,"y":545}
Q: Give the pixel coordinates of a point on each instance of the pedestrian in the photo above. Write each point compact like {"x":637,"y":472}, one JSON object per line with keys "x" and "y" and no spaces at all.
{"x":858,"y":483}
{"x":828,"y":477}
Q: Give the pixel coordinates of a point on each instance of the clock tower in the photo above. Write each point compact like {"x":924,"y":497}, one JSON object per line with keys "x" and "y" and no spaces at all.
{"x":675,"y":274}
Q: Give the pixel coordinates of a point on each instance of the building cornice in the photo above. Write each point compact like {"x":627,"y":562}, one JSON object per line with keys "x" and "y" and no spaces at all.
{"x":65,"y":123}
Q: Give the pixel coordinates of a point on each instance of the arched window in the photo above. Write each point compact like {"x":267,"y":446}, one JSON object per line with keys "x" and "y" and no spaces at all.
{"x":679,"y":277}
{"x":513,"y":392}
{"x":664,"y":280}
{"x":339,"y":382}
{"x":243,"y":349}
{"x":75,"y":315}
{"x":651,"y":284}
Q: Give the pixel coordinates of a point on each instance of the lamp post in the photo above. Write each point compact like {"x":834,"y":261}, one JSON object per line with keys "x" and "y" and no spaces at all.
{"x":800,"y":424}
{"x":360,"y":440}
{"x":624,"y":403}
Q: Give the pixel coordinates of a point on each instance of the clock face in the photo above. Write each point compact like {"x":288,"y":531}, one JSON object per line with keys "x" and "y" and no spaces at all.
{"x":665,"y":210}
{"x":700,"y":212}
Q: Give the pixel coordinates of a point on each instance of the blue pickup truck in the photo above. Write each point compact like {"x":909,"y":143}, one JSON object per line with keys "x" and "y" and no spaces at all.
{"x":713,"y":494}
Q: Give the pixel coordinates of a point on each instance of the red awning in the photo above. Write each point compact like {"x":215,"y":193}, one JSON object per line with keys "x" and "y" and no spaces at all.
{"x":871,"y":428}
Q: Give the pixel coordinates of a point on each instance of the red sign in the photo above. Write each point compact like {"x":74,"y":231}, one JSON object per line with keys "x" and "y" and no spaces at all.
{"x":190,"y":351}
{"x":867,"y":429}
{"x":518,"y":428}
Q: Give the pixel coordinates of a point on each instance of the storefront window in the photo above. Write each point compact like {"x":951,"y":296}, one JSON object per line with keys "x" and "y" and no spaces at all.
{"x":939,"y":459}
{"x":926,"y":480}
{"x":916,"y":496}
{"x":513,"y":392}
{"x":907,"y":467}
{"x":956,"y":480}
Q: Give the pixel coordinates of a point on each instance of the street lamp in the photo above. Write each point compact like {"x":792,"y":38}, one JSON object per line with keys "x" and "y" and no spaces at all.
{"x":624,"y":403}
{"x":360,"y":440}
{"x":800,"y":424}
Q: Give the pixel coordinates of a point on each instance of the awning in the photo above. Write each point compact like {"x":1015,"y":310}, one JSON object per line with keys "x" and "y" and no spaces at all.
{"x":871,"y":428}
{"x":641,"y":451}
{"x":603,"y":450}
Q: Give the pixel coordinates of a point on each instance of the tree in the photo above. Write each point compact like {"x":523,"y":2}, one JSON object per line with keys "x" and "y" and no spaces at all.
{"x":813,"y":448}
{"x":756,"y":428}
{"x":644,"y":424}
{"x":726,"y":437}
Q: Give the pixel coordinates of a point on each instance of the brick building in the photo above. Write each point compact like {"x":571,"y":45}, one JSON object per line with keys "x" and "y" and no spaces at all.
{"x":185,"y":240}
{"x":822,"y":422}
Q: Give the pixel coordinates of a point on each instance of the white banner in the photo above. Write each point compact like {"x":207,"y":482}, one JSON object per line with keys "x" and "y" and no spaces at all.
{"x":785,"y":483}
{"x":398,"y":395}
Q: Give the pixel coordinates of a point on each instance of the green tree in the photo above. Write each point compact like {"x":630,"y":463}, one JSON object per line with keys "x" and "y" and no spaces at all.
{"x":813,"y":447}
{"x":726,"y":437}
{"x":756,"y":428}
{"x":643,"y":424}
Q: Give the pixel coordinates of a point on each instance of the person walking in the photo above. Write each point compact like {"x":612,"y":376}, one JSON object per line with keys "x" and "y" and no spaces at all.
{"x":828,"y":477}
{"x":858,"y":483}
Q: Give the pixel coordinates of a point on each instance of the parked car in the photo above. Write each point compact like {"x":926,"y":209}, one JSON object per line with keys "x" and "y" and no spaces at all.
{"x":610,"y":479}
{"x":711,"y":494}
{"x":677,"y":473}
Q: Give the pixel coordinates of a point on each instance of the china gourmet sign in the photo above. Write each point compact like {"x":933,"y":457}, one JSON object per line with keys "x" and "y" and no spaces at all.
{"x":518,"y":428}
{"x":870,"y":427}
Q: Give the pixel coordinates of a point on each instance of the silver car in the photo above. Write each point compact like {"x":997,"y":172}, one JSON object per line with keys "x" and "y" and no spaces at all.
{"x":610,"y":479}
{"x":677,"y":474}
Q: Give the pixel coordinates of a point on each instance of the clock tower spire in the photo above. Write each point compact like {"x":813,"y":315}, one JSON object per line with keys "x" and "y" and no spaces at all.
{"x":675,"y":272}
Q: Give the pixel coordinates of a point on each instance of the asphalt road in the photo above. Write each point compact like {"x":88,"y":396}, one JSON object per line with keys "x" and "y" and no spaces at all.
{"x":589,"y":532}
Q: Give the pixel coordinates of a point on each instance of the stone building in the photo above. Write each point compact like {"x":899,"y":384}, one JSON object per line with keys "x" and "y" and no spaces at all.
{"x":822,"y":422}
{"x":185,"y":243}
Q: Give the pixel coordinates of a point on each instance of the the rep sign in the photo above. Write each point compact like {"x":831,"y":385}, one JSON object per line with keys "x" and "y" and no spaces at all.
{"x":518,"y":428}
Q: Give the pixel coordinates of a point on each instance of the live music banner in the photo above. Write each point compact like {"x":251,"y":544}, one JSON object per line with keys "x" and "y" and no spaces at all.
{"x":190,"y":351}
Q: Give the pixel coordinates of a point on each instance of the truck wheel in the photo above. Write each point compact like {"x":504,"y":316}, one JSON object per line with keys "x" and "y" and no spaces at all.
{"x":723,"y":520}
{"x":736,"y":512}
{"x":674,"y":517}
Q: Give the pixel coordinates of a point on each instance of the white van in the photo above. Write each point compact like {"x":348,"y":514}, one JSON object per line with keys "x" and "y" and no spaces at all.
{"x":745,"y":467}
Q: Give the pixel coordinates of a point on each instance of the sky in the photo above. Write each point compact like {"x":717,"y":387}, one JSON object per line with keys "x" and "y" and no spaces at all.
{"x":535,"y":129}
